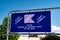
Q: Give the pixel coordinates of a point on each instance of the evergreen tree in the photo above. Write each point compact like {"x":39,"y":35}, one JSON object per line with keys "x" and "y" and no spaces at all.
{"x":3,"y":31}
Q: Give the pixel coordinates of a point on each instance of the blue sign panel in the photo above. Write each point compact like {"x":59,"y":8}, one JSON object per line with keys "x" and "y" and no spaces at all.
{"x":31,"y":22}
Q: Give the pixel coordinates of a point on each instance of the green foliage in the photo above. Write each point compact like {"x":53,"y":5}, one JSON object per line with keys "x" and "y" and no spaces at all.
{"x":5,"y":21}
{"x":14,"y":37}
{"x":51,"y":37}
{"x":3,"y":31}
{"x":3,"y":37}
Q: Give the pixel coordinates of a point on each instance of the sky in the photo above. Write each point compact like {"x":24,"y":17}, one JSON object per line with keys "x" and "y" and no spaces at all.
{"x":9,"y":5}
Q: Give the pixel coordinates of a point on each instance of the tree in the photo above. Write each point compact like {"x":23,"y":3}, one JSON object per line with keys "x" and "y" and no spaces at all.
{"x":51,"y":37}
{"x":3,"y":31}
{"x":5,"y":21}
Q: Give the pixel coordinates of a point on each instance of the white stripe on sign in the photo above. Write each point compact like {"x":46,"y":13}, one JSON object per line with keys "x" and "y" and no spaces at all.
{"x":18,"y":19}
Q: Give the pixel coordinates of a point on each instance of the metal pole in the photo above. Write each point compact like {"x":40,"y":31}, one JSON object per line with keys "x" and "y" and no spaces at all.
{"x":8,"y":28}
{"x":53,"y":8}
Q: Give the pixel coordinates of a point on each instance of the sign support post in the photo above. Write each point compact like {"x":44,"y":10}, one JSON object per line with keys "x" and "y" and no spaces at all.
{"x":8,"y":28}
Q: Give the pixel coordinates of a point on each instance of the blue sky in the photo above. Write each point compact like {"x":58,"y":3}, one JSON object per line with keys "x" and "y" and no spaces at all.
{"x":8,"y":5}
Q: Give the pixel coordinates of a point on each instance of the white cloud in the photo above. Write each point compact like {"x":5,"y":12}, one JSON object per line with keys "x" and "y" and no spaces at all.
{"x":55,"y":29}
